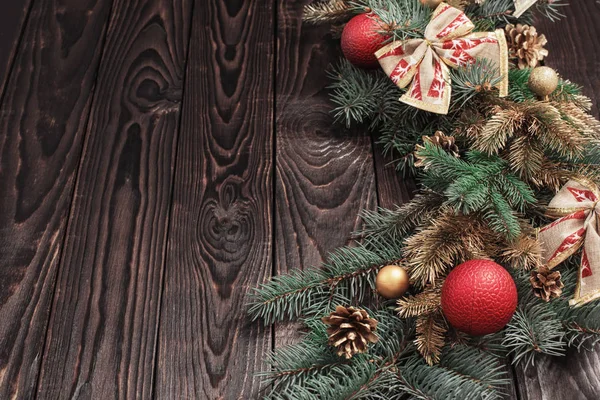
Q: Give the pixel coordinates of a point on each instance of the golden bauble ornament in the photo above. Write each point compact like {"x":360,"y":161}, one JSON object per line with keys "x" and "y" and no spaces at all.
{"x":543,"y":81}
{"x":431,"y":3}
{"x":392,"y":281}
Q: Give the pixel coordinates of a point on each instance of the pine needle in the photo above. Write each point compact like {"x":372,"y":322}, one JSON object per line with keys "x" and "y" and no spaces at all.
{"x":430,"y":338}
{"x":330,"y":11}
{"x":426,"y":302}
{"x":449,"y":240}
{"x":523,"y":253}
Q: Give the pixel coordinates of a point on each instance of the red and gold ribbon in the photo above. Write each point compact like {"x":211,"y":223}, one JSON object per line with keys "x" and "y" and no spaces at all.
{"x":577,"y":205}
{"x":448,"y":42}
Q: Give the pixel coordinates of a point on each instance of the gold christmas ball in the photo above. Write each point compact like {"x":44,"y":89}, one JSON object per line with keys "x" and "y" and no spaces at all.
{"x":431,"y":3}
{"x":543,"y":81}
{"x":392,"y":281}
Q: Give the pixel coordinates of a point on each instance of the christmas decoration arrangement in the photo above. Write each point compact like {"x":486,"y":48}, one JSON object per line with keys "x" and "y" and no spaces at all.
{"x":496,"y":259}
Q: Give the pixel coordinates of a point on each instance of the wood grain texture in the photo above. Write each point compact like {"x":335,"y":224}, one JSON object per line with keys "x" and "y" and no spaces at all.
{"x":42,"y":124}
{"x":575,"y":54}
{"x":102,"y":333}
{"x":221,"y":227}
{"x":574,"y":46}
{"x":392,"y":188}
{"x":12,"y":22}
{"x":324,"y":173}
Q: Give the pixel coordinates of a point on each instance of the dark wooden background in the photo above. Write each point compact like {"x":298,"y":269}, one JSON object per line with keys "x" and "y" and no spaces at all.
{"x":158,"y":158}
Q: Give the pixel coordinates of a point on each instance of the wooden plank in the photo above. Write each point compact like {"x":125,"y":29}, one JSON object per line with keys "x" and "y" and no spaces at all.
{"x":221,"y":226}
{"x":575,"y":54}
{"x":42,"y":124}
{"x":102,"y":334}
{"x":325,"y":173}
{"x":574,"y":47}
{"x":392,"y":187}
{"x":12,"y":22}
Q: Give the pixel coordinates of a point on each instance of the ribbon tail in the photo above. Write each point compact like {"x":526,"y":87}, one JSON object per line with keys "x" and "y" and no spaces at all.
{"x":430,"y":89}
{"x":562,"y":238}
{"x":588,"y":284}
{"x":521,"y":6}
{"x":503,"y":63}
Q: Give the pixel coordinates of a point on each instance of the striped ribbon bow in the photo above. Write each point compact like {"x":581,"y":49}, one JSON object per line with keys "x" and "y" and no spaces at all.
{"x":448,"y":42}
{"x":577,"y":205}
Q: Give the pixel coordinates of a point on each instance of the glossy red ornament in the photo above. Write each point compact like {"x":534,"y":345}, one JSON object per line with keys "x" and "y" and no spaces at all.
{"x":479,"y":297}
{"x":361,"y":39}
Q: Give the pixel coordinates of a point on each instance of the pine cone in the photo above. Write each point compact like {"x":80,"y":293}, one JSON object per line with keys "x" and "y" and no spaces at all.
{"x":546,"y":283}
{"x":525,"y":46}
{"x":350,"y":330}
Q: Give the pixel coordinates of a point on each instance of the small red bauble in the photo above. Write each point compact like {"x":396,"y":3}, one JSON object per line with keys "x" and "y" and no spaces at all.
{"x":479,"y":297}
{"x":361,"y":39}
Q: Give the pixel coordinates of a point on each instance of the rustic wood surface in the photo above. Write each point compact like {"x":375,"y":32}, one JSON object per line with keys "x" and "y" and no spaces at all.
{"x":43,"y":117}
{"x":12,"y":18}
{"x":160,"y":158}
{"x":220,"y":239}
{"x":102,"y":332}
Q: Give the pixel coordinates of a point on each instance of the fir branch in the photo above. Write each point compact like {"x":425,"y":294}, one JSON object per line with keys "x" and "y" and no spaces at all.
{"x":425,"y":302}
{"x":551,"y":9}
{"x":398,"y":223}
{"x":360,"y":95}
{"x":348,"y":276}
{"x":294,"y":364}
{"x":493,"y":14}
{"x":535,"y":137}
{"x":473,"y":79}
{"x":523,"y":253}
{"x":406,"y":19}
{"x":500,"y":127}
{"x":329,"y":11}
{"x":446,"y":382}
{"x":478,"y":185}
{"x":535,"y":328}
{"x":581,"y":324}
{"x":430,"y":339}
{"x":481,"y":365}
{"x":450,"y":239}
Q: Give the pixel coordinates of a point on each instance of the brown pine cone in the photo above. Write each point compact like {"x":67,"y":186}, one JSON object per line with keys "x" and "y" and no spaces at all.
{"x":350,"y":330}
{"x":525,"y":46}
{"x":546,"y":283}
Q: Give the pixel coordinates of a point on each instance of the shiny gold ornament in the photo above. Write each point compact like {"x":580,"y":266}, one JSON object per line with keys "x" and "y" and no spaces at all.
{"x":431,"y":3}
{"x":392,"y":281}
{"x":543,"y":81}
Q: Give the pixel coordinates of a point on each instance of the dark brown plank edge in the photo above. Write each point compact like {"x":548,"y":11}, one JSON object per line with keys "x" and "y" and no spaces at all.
{"x":101,"y":337}
{"x":221,"y":226}
{"x":12,"y":22}
{"x":42,"y":125}
{"x":575,"y":54}
{"x":324,"y":173}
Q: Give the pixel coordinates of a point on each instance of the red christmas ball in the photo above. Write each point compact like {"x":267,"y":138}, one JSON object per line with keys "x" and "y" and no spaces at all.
{"x":479,"y":297}
{"x":361,"y":39}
